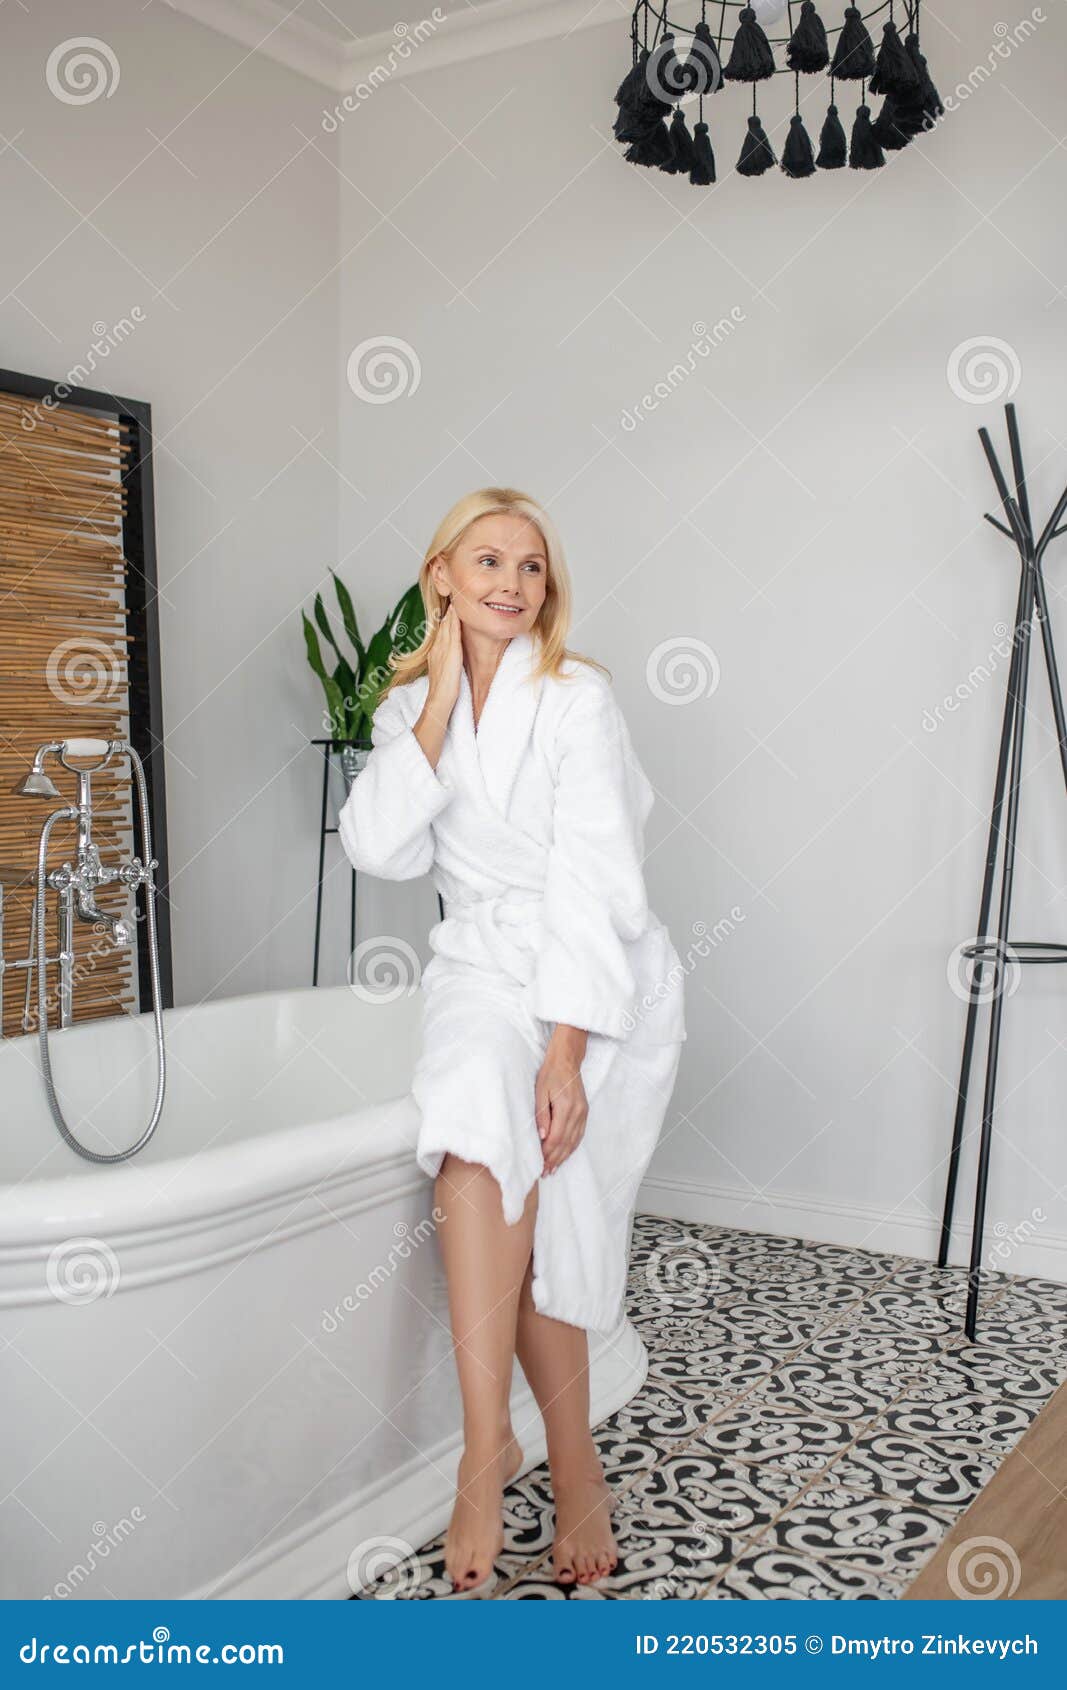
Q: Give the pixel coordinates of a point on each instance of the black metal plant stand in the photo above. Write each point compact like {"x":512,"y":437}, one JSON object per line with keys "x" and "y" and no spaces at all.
{"x":1000,"y":953}
{"x":329,"y":746}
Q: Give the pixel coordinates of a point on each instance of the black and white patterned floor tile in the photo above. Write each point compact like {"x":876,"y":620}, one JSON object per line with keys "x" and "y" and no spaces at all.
{"x":812,"y":1424}
{"x":681,"y":1523}
{"x":771,"y":1573}
{"x":879,"y":1535}
{"x":936,"y":1475}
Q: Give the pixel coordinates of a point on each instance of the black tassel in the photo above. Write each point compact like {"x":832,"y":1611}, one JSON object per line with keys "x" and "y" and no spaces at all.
{"x":808,"y":49}
{"x":865,"y":153}
{"x":703,"y":170}
{"x":798,"y":159}
{"x":626,"y":93}
{"x":926,"y":94}
{"x":903,"y":117}
{"x":683,"y":153}
{"x":653,"y":149}
{"x":897,"y":123}
{"x":704,"y":62}
{"x":751,"y":59}
{"x":894,"y":70}
{"x":640,"y":110}
{"x":833,"y":143}
{"x":757,"y":154}
{"x":854,"y":54}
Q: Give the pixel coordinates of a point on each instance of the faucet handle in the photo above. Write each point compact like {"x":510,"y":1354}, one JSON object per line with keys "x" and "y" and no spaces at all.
{"x":134,"y":873}
{"x":85,"y":747}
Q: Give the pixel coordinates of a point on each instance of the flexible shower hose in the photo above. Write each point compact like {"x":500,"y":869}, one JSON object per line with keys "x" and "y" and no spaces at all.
{"x":153,"y":957}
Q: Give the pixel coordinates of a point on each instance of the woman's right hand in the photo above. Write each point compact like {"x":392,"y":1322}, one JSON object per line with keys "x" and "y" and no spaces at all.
{"x":444,"y":663}
{"x":444,"y":666}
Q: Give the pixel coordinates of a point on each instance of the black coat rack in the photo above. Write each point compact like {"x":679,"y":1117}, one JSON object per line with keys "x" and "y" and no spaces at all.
{"x":999,"y":953}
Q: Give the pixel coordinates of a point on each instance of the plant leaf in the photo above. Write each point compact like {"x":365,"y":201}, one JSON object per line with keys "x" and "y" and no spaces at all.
{"x":324,"y":623}
{"x":335,"y":702}
{"x":408,"y":620}
{"x":314,"y":651}
{"x":348,"y":616}
{"x":378,"y":670}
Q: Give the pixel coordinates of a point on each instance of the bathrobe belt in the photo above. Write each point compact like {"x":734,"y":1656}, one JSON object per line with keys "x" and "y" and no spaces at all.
{"x":502,"y":932}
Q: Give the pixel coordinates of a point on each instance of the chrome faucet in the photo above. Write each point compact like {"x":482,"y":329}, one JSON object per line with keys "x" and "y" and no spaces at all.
{"x":88,"y":872}
{"x":76,"y":885}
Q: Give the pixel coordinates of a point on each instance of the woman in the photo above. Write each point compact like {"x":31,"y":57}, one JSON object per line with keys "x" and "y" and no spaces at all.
{"x":553,"y":1009}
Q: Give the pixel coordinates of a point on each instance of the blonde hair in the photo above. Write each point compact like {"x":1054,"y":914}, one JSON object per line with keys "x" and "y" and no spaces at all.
{"x":553,"y":621}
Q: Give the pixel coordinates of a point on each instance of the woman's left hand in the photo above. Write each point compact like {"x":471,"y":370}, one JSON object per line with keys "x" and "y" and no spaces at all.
{"x":560,"y":1106}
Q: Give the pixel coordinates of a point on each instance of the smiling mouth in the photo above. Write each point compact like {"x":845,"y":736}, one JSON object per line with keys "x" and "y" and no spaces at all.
{"x":504,"y":609}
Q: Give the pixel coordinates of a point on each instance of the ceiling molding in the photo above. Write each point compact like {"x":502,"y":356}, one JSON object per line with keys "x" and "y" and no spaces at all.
{"x":345,"y":65}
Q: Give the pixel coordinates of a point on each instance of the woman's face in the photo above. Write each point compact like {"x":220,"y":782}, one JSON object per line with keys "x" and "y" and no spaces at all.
{"x":498,"y":575}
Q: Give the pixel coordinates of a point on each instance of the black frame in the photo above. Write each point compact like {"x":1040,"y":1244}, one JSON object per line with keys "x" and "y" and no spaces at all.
{"x":142,"y":623}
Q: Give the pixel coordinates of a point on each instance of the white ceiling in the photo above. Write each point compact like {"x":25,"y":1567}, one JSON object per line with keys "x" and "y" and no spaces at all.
{"x":339,"y":42}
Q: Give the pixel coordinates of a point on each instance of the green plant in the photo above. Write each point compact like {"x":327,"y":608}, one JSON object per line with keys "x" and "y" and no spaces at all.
{"x":355,"y":685}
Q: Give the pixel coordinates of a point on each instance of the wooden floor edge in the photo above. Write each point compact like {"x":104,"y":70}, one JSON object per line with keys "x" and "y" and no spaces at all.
{"x":1011,"y":1543}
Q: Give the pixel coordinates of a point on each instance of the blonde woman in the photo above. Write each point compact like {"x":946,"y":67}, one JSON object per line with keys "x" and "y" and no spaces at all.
{"x":553,"y":1008}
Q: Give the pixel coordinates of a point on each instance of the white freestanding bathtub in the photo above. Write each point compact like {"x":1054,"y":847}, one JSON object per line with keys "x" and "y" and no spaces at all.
{"x":226,"y":1364}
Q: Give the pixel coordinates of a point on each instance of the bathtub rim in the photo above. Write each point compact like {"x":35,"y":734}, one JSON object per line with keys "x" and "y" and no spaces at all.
{"x":254,"y":1169}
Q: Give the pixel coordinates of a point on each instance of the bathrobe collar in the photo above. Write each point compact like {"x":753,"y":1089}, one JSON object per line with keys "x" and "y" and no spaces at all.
{"x":506,"y":723}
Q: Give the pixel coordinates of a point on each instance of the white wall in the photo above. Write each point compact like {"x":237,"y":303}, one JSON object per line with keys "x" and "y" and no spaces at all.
{"x":190,"y":194}
{"x":808,"y":503}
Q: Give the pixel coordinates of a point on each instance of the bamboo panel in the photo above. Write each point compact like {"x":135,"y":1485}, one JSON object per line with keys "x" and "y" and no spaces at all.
{"x":63,"y":673}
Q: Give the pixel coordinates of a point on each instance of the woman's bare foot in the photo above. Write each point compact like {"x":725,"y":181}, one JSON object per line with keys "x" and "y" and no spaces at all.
{"x":584,"y":1549}
{"x":476,"y":1532}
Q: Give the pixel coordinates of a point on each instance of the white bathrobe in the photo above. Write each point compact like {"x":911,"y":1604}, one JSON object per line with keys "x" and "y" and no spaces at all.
{"x":532,"y":827}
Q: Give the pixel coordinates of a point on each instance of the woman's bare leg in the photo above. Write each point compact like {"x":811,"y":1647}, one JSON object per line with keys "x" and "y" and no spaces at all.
{"x":554,"y":1356}
{"x":485,"y":1261}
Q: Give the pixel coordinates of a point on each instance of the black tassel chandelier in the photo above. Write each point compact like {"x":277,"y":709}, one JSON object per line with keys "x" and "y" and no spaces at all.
{"x":736,"y":48}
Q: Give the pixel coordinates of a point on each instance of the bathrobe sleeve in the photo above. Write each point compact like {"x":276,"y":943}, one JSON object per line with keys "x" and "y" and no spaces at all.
{"x":594,"y":899}
{"x":385,"y":823}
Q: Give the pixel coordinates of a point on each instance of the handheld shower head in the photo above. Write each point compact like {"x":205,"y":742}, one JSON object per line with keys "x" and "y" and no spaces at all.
{"x":36,"y":785}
